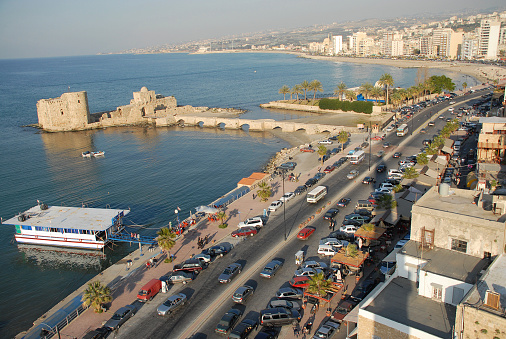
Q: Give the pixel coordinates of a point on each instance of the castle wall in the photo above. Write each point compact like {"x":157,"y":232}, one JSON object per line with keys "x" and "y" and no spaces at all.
{"x":68,"y":112}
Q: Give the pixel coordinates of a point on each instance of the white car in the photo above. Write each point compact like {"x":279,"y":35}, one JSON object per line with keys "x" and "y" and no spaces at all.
{"x":389,"y":128}
{"x":275,"y":205}
{"x":325,"y":142}
{"x":451,"y":109}
{"x":287,"y":196}
{"x":387,"y":185}
{"x":452,"y":102}
{"x":254,"y":222}
{"x":307,"y":272}
{"x":383,"y":190}
{"x":334,"y":242}
{"x":348,"y":229}
{"x":327,"y":250}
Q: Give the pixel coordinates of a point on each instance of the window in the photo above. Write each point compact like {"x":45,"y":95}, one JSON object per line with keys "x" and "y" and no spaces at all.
{"x":437,"y":292}
{"x":26,"y":228}
{"x":459,"y":245}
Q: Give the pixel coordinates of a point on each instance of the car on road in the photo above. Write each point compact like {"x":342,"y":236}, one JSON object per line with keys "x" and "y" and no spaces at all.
{"x":289,"y":292}
{"x":285,"y":303}
{"x":330,"y":214}
{"x":243,"y":329}
{"x":289,"y":165}
{"x":353,"y":174}
{"x":228,"y":321}
{"x":244,"y":232}
{"x":325,"y":142}
{"x":386,"y":144}
{"x":397,"y":155}
{"x":306,"y":232}
{"x":179,"y":277}
{"x":275,"y":205}
{"x":327,"y":330}
{"x":171,"y":304}
{"x":358,"y":217}
{"x":310,"y":182}
{"x":377,"y":138}
{"x":383,"y":190}
{"x":287,"y":196}
{"x":423,"y":131}
{"x":242,"y":294}
{"x":389,"y":128}
{"x":230,"y":272}
{"x":255,"y":222}
{"x":271,"y":268}
{"x":307,"y":272}
{"x":380,"y":153}
{"x":120,"y":317}
{"x":381,"y":168}
{"x":333,"y":242}
{"x":300,"y":189}
{"x":441,"y":117}
{"x":329,"y":169}
{"x":431,"y":123}
{"x":300,"y":282}
{"x":343,"y":308}
{"x":343,"y":202}
{"x":368,"y":180}
{"x":217,"y":250}
{"x":318,"y":176}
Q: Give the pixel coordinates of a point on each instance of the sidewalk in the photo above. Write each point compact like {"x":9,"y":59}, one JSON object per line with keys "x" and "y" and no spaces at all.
{"x":125,"y":281}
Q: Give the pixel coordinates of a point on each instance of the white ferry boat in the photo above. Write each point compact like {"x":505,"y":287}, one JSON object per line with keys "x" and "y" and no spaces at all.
{"x":76,"y":227}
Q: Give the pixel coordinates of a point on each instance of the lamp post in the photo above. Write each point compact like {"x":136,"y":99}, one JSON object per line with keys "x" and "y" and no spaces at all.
{"x":370,"y":142}
{"x":177,"y":217}
{"x":283,"y":172}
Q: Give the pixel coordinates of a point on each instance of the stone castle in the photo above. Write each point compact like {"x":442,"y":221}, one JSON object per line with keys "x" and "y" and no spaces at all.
{"x":70,"y":112}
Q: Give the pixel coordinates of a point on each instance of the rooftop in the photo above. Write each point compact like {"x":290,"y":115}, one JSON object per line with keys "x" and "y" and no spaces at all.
{"x":399,"y":301}
{"x":94,"y":219}
{"x":459,"y":202}
{"x":447,"y":263}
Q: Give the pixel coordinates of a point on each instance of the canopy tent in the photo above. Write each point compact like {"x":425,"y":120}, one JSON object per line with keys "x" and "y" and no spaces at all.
{"x":373,"y":234}
{"x":207,"y":209}
{"x":331,"y":292}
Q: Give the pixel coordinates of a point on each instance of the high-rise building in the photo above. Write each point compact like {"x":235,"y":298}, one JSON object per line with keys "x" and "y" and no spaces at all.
{"x":355,"y":42}
{"x":469,"y":48}
{"x":489,"y":38}
{"x":337,"y":43}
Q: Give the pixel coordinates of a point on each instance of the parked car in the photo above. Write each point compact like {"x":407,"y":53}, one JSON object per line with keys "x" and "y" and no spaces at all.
{"x":300,"y":189}
{"x":287,"y":196}
{"x":228,"y":321}
{"x":380,"y":153}
{"x":217,"y":250}
{"x":386,"y":144}
{"x":353,"y":174}
{"x":300,"y":282}
{"x":242,"y":294}
{"x":230,"y":272}
{"x":325,"y":142}
{"x":244,"y":232}
{"x":397,"y":155}
{"x":343,"y":308}
{"x":289,"y":165}
{"x":306,"y":232}
{"x":333,"y":242}
{"x":348,"y":229}
{"x":339,"y":235}
{"x":204,"y":259}
{"x":343,"y":202}
{"x":387,"y":267}
{"x":275,"y":205}
{"x":307,"y":272}
{"x":271,"y":268}
{"x":255,"y":222}
{"x":318,"y":176}
{"x":359,"y":217}
{"x":98,"y":333}
{"x":330,"y":214}
{"x":329,"y":169}
{"x":244,"y":328}
{"x":327,"y":330}
{"x":314,"y":264}
{"x":120,"y":317}
{"x":368,"y":180}
{"x":171,"y":304}
{"x":279,"y":316}
{"x":327,"y":250}
{"x":284,"y":303}
{"x":289,"y":292}
{"x":180,"y":277}
{"x":362,"y":290}
{"x":310,"y":182}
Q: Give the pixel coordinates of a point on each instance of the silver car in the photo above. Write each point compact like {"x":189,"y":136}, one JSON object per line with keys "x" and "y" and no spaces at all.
{"x":242,"y":293}
{"x":180,"y":277}
{"x":171,"y":304}
{"x":271,"y":268}
{"x":289,"y":292}
{"x":120,"y":317}
{"x":229,"y":273}
{"x":284,"y":303}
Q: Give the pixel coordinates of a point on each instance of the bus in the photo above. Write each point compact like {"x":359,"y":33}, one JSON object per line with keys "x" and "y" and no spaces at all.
{"x":317,"y":194}
{"x":356,"y":158}
{"x":402,"y":130}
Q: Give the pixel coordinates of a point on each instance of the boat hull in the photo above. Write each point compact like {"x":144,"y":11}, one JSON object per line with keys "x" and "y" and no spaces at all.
{"x":59,"y":242}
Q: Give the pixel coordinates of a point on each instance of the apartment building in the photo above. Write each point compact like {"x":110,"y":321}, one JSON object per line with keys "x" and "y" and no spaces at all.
{"x":489,"y":38}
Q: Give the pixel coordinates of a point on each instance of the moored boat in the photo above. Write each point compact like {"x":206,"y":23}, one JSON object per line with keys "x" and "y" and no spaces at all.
{"x":97,"y":154}
{"x":86,"y":154}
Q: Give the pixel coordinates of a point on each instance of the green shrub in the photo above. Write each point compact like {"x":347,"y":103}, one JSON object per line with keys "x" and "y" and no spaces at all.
{"x":355,"y":106}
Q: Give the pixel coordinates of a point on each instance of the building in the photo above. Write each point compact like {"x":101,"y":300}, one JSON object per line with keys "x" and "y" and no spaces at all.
{"x":427,"y":48}
{"x":355,"y":42}
{"x":392,"y":44}
{"x":469,"y":48}
{"x":337,"y":44}
{"x":489,"y":38}
{"x":441,"y":40}
{"x":492,"y":140}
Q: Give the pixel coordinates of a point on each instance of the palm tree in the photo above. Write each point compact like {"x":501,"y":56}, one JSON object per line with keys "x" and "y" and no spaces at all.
{"x":386,"y":80}
{"x":305,"y":87}
{"x":366,"y":89}
{"x":376,"y":93}
{"x":464,"y":86}
{"x":222,"y":216}
{"x":422,"y":159}
{"x":411,"y":92}
{"x":318,"y":285}
{"x":350,"y":95}
{"x":410,"y":173}
{"x":340,"y":89}
{"x":165,"y":239}
{"x":397,"y":98}
{"x":315,"y":86}
{"x":297,"y":90}
{"x":284,"y":90}
{"x":322,"y":150}
{"x":95,"y":295}
{"x":264,"y":192}
{"x":342,"y":137}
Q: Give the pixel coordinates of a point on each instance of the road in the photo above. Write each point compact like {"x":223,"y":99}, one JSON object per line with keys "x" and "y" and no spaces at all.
{"x":208,"y":300}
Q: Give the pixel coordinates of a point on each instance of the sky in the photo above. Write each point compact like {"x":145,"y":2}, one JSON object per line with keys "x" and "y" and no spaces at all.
{"x":47,"y":28}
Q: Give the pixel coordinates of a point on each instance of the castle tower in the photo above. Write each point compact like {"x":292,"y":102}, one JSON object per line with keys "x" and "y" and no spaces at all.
{"x":68,"y":112}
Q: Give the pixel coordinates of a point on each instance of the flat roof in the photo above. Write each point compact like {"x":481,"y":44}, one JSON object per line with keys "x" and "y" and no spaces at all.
{"x":399,"y":301}
{"x":94,"y":219}
{"x":458,"y":202}
{"x":447,"y":263}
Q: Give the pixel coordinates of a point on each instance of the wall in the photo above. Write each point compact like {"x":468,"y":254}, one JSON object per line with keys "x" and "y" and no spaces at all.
{"x":377,"y":327}
{"x":406,"y":266}
{"x":473,"y":323}
{"x":70,"y":111}
{"x":425,"y":288}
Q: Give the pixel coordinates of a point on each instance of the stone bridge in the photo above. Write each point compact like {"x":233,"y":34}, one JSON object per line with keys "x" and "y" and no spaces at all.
{"x":251,"y":125}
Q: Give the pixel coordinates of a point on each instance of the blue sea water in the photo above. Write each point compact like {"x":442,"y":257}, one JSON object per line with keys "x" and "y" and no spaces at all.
{"x":149,"y":170}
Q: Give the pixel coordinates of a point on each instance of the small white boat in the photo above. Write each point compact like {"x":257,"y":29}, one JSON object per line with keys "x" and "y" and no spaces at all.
{"x":97,"y":154}
{"x":86,"y":154}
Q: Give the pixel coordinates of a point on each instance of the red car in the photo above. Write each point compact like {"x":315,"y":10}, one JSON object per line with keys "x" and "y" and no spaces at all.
{"x":300,"y":282}
{"x":244,"y":232}
{"x":307,"y":149}
{"x":306,"y":232}
{"x":329,"y":169}
{"x":377,"y":138}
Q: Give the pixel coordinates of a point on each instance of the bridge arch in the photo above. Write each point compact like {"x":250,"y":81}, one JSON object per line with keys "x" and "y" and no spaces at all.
{"x":245,"y":127}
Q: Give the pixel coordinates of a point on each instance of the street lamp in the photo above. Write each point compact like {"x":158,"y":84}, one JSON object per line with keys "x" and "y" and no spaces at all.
{"x":177,"y":216}
{"x":370,"y":142}
{"x":283,"y":172}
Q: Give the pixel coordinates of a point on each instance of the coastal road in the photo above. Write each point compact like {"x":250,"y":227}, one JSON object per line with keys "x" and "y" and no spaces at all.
{"x":209,"y":300}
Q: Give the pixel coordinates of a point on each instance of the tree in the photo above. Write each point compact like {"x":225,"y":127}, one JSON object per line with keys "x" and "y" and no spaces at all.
{"x":165,"y":239}
{"x":366,"y":89}
{"x":284,"y":90}
{"x":297,"y":90}
{"x":342,"y":137}
{"x":264,"y":192}
{"x":386,"y":80}
{"x":305,"y":87}
{"x":340,"y":89}
{"x":464,"y":86}
{"x":350,"y":95}
{"x":95,"y":295}
{"x":442,"y":83}
{"x":422,"y":159}
{"x":397,"y":98}
{"x":318,"y":285}
{"x":410,"y":173}
{"x":322,"y":150}
{"x":316,"y":86}
{"x":376,"y":93}
{"x":222,"y":216}
{"x":351,"y":250}
{"x":387,"y":202}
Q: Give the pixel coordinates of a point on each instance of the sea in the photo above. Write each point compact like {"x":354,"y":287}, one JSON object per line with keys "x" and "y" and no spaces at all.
{"x":151,"y":171}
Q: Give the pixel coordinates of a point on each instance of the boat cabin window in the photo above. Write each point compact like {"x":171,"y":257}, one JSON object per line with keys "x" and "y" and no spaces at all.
{"x":27,"y":228}
{"x":42,"y":229}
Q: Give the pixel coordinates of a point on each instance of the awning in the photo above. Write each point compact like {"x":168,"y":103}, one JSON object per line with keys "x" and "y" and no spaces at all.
{"x":392,"y":256}
{"x":447,"y":149}
{"x":352,"y":316}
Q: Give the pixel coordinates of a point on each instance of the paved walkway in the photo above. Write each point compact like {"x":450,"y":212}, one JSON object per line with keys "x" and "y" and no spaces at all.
{"x":125,"y":281}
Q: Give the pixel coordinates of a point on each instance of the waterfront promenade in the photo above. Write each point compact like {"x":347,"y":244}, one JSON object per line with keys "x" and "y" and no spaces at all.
{"x":127,"y":276}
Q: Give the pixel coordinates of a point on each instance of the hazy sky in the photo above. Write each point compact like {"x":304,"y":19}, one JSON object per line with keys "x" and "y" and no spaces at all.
{"x":42,"y":28}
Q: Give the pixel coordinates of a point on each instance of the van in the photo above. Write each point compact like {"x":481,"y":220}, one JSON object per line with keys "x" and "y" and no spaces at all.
{"x":279,"y":316}
{"x":364,"y":205}
{"x":148,"y":291}
{"x":190,"y":265}
{"x":327,"y":250}
{"x":394,"y":171}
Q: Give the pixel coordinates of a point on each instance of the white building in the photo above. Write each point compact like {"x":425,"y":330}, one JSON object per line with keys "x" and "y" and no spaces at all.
{"x":489,"y":38}
{"x":469,"y":48}
{"x":337,"y":43}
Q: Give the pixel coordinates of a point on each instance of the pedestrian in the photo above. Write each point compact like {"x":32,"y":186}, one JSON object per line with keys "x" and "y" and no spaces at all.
{"x":147,"y":265}
{"x":207,"y":239}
